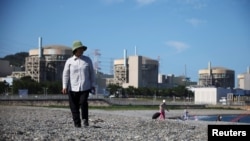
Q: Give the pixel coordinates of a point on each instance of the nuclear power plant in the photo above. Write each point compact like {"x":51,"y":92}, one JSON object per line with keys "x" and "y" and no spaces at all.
{"x":137,"y":71}
{"x":216,"y":76}
{"x":46,"y":63}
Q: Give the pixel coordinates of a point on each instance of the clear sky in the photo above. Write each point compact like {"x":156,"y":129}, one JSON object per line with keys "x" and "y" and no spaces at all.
{"x":183,"y":34}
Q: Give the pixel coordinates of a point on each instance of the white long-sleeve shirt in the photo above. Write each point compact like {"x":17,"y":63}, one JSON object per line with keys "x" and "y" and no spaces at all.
{"x":78,"y":74}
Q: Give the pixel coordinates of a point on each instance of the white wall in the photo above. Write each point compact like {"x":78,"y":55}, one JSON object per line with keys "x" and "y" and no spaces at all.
{"x":209,"y":95}
{"x":205,"y":95}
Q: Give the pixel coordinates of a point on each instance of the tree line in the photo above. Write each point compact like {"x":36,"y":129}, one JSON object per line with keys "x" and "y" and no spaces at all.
{"x":178,"y":91}
{"x":33,"y":87}
{"x":55,"y":87}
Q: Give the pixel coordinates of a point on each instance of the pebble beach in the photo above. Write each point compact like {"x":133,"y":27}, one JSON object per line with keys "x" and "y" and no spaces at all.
{"x":21,"y":123}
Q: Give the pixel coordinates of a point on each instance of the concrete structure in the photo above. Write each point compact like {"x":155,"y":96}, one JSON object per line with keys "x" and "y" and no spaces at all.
{"x":170,"y":81}
{"x":136,"y":71}
{"x":6,"y":69}
{"x":161,"y":78}
{"x":244,"y":80}
{"x":210,"y":95}
{"x":216,"y":76}
{"x":46,"y":63}
{"x":18,"y":74}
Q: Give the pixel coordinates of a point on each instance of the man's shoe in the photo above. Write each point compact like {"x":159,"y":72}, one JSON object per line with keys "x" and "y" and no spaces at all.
{"x":86,"y":122}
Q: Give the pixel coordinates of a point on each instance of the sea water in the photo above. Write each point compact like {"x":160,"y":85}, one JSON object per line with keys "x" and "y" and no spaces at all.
{"x":244,"y":118}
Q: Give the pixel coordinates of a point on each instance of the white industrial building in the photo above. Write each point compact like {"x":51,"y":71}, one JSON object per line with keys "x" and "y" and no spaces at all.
{"x":244,"y":80}
{"x":137,"y":71}
{"x":210,"y":95}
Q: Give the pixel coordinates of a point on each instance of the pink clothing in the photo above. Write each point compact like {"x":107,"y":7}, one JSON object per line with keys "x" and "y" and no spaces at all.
{"x":162,"y":115}
{"x":162,"y":111}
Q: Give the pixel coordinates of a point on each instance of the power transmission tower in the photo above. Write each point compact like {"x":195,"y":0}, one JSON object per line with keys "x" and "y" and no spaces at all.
{"x":96,"y":60}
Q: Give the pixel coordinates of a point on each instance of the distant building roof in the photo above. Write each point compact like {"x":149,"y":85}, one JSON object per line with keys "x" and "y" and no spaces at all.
{"x":51,"y":50}
{"x":56,"y":47}
{"x":218,"y":68}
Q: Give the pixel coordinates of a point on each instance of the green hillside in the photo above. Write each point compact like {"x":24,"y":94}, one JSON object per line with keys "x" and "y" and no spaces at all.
{"x":17,"y":59}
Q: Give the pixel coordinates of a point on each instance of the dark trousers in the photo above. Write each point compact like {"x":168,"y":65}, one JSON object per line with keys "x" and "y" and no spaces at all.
{"x":77,"y":101}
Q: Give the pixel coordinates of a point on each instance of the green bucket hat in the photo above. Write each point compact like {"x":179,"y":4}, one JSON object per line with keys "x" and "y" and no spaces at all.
{"x":78,"y":44}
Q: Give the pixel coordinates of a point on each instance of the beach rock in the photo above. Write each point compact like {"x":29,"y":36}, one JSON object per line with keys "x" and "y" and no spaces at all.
{"x":54,"y":124}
